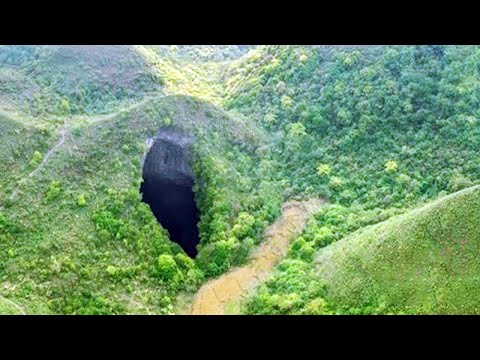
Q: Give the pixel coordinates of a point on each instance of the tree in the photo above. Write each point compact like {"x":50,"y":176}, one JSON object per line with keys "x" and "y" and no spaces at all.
{"x":54,"y":190}
{"x":286,"y":101}
{"x":391,"y":166}
{"x":297,"y":130}
{"x":324,"y":170}
{"x":63,"y":107}
{"x":335,"y":182}
{"x":36,"y":158}
{"x":81,"y":200}
{"x":167,"y":267}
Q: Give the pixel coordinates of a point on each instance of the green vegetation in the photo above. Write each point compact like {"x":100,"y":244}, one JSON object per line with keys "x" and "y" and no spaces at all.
{"x":358,"y":111}
{"x":376,"y":130}
{"x":423,"y":262}
{"x":64,"y":80}
{"x":88,"y":243}
{"x":204,"y":52}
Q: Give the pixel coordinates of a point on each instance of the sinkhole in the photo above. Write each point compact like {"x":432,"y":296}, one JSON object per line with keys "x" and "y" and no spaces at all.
{"x":167,"y":189}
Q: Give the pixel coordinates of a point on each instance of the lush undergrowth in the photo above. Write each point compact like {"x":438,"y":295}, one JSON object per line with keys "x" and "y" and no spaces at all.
{"x":422,"y":262}
{"x":77,"y":238}
{"x":70,"y":80}
{"x":376,"y":130}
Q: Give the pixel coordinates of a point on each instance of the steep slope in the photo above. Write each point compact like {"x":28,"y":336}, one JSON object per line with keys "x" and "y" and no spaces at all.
{"x":74,"y":79}
{"x":21,"y":148}
{"x":425,"y":261}
{"x":352,"y":110}
{"x":422,"y":262}
{"x":376,"y":130}
{"x":75,"y":234}
{"x":77,"y":238}
{"x":223,"y":295}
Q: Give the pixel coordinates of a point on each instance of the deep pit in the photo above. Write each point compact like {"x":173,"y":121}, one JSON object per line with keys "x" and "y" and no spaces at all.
{"x":167,"y":188}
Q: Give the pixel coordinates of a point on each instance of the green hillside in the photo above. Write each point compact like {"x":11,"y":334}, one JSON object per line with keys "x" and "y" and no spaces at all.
{"x":352,"y":111}
{"x":377,"y":131}
{"x":65,"y":80}
{"x":77,"y":239}
{"x":422,"y":262}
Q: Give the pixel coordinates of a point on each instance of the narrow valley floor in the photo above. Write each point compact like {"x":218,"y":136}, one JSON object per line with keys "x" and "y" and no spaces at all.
{"x":223,"y":295}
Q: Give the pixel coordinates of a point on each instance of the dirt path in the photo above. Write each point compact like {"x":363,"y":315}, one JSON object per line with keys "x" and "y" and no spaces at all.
{"x":61,"y":141}
{"x":15,"y":305}
{"x":59,"y":144}
{"x":105,"y":117}
{"x":63,"y":134}
{"x":223,"y":295}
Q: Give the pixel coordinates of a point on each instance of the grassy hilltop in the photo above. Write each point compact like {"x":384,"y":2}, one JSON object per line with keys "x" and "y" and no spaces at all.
{"x":421,"y":262}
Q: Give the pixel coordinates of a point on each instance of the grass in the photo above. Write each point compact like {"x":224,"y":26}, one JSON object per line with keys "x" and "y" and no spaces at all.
{"x":422,"y":262}
{"x":77,"y":239}
{"x":9,"y":308}
{"x":21,"y":140}
{"x":42,"y":81}
{"x":53,"y":248}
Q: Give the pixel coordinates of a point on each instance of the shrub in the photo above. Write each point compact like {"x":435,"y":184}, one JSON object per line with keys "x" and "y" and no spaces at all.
{"x":167,"y":267}
{"x":335,"y":182}
{"x":81,"y":200}
{"x":166,"y":121}
{"x":317,"y":306}
{"x":4,"y":223}
{"x":36,"y":158}
{"x":63,"y":107}
{"x":391,"y":166}
{"x":218,"y":257}
{"x":54,"y":190}
{"x":459,"y":182}
{"x":270,"y":118}
{"x":324,"y":170}
{"x":244,"y":226}
{"x":323,"y":237}
{"x":244,"y":250}
{"x":286,"y":101}
{"x":297,"y":130}
{"x":184,"y":262}
{"x":111,"y":270}
{"x":303,"y":57}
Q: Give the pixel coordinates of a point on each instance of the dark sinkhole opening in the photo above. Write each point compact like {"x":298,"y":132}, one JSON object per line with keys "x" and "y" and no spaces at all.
{"x":167,"y":188}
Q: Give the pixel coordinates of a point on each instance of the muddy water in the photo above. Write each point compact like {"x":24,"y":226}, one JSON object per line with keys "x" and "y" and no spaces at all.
{"x":223,"y":295}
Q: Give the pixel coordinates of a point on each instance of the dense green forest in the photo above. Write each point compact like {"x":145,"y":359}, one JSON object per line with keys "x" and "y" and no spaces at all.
{"x":387,"y":136}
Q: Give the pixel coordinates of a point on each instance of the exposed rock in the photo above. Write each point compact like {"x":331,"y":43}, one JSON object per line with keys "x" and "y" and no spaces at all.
{"x":167,"y":187}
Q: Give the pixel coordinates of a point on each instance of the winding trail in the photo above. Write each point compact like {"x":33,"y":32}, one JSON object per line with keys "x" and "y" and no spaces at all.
{"x":222,"y":295}
{"x":59,"y":144}
{"x":14,"y":304}
{"x":105,"y":117}
{"x":63,"y":132}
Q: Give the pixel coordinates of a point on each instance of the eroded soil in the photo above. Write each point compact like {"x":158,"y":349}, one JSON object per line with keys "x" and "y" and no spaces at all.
{"x":223,"y":295}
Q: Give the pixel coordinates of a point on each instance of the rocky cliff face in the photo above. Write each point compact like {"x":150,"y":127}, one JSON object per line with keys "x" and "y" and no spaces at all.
{"x":169,"y":158}
{"x":167,"y":188}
